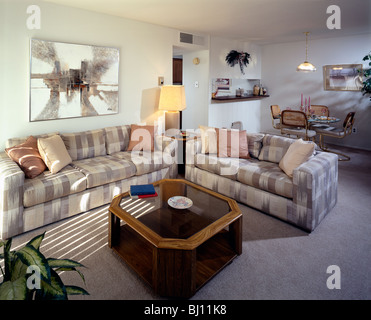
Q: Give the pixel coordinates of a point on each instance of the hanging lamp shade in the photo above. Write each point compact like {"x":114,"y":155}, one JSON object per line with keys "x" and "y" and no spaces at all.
{"x":306,"y":66}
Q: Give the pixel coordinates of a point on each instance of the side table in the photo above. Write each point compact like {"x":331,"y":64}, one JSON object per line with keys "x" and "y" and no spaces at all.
{"x":182,"y":137}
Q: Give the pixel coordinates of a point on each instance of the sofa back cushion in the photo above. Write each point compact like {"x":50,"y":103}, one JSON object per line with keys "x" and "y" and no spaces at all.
{"x":86,"y":144}
{"x":254,"y":142}
{"x":274,"y":148}
{"x":117,"y":138}
{"x":16,"y":141}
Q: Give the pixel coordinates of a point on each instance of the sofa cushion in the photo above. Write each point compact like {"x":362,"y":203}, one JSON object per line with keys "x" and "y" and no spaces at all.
{"x":146,"y":162}
{"x":208,"y":140}
{"x":266,"y":176}
{"x":48,"y":186}
{"x":15,"y":141}
{"x":142,"y":138}
{"x":274,"y":148}
{"x":104,"y":169}
{"x":117,"y":138}
{"x":232,"y":143}
{"x":27,"y":156}
{"x":254,"y":142}
{"x":86,"y":144}
{"x":54,"y":153}
{"x":227,"y":167}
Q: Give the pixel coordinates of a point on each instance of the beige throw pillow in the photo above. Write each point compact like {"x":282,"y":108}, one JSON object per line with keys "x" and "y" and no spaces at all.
{"x":54,"y":153}
{"x":298,"y":152}
{"x":209,"y":142}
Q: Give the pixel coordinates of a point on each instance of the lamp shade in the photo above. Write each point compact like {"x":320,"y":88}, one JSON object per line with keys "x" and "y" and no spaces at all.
{"x":306,"y":67}
{"x":172,"y":98}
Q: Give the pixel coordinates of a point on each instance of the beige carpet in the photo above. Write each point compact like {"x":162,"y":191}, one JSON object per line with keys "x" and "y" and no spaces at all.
{"x":278,"y":261}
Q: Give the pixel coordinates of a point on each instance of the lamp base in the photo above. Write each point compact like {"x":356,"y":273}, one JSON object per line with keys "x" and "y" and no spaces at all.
{"x":172,"y":120}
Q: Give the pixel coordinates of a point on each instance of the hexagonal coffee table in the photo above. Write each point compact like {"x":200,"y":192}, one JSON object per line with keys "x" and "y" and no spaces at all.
{"x":176,"y":251}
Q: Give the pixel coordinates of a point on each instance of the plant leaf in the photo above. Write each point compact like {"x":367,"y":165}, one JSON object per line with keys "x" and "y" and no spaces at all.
{"x":55,"y":290}
{"x":73,"y":290}
{"x":73,"y":269}
{"x":36,"y":241}
{"x":63,"y":263}
{"x":19,"y":269}
{"x":7,"y":260}
{"x":13,"y":290}
{"x":31,"y":256}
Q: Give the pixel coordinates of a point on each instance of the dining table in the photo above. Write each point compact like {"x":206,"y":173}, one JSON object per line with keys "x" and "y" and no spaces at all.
{"x":322,"y":119}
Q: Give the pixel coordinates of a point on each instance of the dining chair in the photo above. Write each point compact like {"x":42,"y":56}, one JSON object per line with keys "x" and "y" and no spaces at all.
{"x":339,"y":133}
{"x":295,"y":123}
{"x":320,"y":110}
{"x":237,"y":125}
{"x":276,"y":115}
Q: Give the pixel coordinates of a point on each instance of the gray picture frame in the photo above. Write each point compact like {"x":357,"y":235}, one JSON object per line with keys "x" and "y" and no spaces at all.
{"x":70,"y":80}
{"x":342,"y":77}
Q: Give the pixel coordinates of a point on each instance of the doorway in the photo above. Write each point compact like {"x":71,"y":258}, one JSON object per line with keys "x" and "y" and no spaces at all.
{"x":194,"y":75}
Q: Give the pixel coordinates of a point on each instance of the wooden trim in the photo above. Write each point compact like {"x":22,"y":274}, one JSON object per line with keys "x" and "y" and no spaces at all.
{"x":180,"y":244}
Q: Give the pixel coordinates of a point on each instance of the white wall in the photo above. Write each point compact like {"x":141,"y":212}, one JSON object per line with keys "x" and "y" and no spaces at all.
{"x":279,"y":62}
{"x":197,"y":98}
{"x":223,"y":114}
{"x":145,"y":54}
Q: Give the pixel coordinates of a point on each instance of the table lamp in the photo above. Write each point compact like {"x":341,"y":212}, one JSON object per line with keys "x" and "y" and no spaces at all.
{"x":172,"y":99}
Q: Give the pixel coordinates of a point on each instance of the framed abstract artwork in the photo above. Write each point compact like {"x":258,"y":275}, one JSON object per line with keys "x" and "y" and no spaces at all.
{"x":72,"y":80}
{"x":342,"y":77}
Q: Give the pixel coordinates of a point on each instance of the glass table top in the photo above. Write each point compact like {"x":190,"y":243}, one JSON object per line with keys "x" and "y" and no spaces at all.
{"x":157,"y":214}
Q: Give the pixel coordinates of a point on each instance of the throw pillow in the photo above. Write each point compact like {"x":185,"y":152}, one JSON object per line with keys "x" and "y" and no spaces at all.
{"x":141,"y":138}
{"x":232,"y":143}
{"x":27,"y":156}
{"x":208,"y":140}
{"x":54,"y":153}
{"x":298,"y":152}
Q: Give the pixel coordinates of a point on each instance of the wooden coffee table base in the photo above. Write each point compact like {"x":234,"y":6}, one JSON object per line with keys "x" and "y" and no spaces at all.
{"x":176,"y":252}
{"x":175,"y":272}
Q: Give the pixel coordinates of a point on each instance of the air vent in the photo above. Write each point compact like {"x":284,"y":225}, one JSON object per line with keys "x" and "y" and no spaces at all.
{"x":191,"y":39}
{"x":186,"y":37}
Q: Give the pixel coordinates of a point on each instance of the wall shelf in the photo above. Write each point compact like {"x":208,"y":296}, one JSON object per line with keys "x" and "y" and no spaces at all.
{"x":222,"y":99}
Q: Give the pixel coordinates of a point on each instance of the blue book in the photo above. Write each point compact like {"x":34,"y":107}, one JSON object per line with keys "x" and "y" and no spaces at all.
{"x":136,"y":190}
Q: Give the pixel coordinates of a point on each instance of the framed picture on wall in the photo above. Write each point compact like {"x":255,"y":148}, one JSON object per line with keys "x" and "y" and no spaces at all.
{"x":72,"y":80}
{"x":342,"y":77}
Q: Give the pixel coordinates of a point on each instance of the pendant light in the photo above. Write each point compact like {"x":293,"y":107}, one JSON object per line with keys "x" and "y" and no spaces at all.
{"x":306,"y":66}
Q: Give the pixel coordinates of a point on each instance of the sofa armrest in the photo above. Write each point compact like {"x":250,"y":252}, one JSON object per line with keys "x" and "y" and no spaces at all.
{"x":170,"y":146}
{"x":11,"y":197}
{"x":315,"y":185}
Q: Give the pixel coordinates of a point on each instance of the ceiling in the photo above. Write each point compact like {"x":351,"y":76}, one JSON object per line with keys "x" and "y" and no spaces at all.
{"x":260,"y":21}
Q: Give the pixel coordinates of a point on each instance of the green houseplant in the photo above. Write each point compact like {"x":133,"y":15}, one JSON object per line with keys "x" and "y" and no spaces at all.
{"x":28,"y":275}
{"x":366,"y":89}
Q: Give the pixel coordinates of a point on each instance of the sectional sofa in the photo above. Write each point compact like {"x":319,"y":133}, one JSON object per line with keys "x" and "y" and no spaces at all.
{"x":303,"y":199}
{"x":100,"y":168}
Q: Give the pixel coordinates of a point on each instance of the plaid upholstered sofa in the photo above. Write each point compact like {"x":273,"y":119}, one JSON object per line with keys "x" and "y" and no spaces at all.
{"x":101,"y":168}
{"x":302,"y":200}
